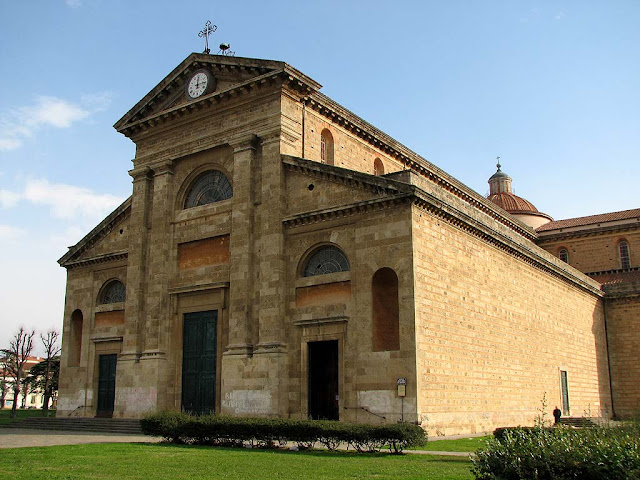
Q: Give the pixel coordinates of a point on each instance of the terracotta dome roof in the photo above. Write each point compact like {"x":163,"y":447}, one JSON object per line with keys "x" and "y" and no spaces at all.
{"x":513,"y":203}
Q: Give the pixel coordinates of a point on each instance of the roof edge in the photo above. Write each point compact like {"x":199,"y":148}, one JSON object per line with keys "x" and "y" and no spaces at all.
{"x":95,"y":232}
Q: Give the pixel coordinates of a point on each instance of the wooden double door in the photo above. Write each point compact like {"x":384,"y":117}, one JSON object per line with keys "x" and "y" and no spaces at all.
{"x":199,"y":352}
{"x":106,"y":384}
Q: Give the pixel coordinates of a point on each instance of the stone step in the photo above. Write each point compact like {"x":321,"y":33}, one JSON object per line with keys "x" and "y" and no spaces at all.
{"x":578,"y":422}
{"x":111,"y":425}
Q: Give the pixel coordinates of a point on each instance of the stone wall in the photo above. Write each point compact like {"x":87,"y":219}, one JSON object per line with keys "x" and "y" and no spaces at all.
{"x":493,"y":333}
{"x":623,"y":327}
{"x":595,"y":252}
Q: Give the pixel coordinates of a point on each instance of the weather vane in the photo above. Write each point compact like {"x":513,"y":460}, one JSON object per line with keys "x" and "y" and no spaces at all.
{"x":205,"y":32}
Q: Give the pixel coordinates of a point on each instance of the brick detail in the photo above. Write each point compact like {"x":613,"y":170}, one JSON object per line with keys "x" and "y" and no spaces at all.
{"x":326,"y":294}
{"x":201,"y":253}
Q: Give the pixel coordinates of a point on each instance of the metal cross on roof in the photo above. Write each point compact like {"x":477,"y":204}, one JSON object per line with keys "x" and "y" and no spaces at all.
{"x":205,"y":32}
{"x":498,"y":165}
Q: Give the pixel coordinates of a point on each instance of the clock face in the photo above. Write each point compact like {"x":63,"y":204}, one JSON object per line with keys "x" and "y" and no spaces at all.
{"x":198,"y":84}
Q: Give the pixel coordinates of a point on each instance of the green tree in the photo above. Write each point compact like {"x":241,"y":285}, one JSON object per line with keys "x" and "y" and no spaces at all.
{"x":44,"y":377}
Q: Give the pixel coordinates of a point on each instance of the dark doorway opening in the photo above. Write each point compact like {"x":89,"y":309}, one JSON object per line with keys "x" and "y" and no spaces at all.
{"x":199,"y":349}
{"x":323,"y":380}
{"x":106,"y":384}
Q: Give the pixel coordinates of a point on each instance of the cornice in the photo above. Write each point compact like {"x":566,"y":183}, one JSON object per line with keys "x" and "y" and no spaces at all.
{"x":383,"y":142}
{"x":102,"y":229}
{"x":411,"y":194}
{"x":357,"y":208}
{"x":376,"y":184}
{"x":519,"y":250}
{"x":544,"y":237}
{"x":98,"y":259}
{"x":287,"y":76}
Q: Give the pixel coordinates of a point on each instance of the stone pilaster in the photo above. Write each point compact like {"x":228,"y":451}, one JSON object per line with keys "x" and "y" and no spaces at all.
{"x":136,"y":265}
{"x":242,"y":248}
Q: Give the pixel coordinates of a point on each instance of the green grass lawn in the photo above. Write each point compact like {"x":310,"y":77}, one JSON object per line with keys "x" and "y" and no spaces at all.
{"x":461,"y":445}
{"x":21,"y":414}
{"x":165,"y":461}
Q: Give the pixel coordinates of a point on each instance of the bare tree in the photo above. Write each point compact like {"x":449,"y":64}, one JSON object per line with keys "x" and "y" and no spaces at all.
{"x":16,"y":356}
{"x":52,"y":350}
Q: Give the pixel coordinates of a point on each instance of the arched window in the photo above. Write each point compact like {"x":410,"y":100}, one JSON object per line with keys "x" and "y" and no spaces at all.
{"x":378,"y":167}
{"x":386,"y":311}
{"x":326,"y":147}
{"x":326,"y":259}
{"x":563,"y":254}
{"x":75,"y":339}
{"x":625,"y":261}
{"x":112,"y":292}
{"x":209,"y":187}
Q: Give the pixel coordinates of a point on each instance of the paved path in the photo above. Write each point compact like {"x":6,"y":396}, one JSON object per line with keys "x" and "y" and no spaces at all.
{"x":20,"y":437}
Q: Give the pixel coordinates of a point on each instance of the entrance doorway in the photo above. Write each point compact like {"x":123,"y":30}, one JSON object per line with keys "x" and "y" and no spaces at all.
{"x":106,"y":384}
{"x":323,"y":380}
{"x":199,"y":362}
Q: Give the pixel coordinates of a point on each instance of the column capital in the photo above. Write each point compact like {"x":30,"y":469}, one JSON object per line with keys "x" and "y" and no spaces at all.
{"x":140,"y":173}
{"x":162,"y":168}
{"x":241,"y":143}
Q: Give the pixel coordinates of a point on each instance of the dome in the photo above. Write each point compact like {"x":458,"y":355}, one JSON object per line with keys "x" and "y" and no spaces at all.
{"x":512,"y":203}
{"x":501,"y":194}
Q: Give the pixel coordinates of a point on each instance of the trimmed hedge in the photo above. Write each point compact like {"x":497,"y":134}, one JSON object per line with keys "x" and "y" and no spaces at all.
{"x":269,"y":432}
{"x":559,"y":453}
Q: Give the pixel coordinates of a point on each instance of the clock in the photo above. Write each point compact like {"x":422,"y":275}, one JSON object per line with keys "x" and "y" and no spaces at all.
{"x":201,"y":82}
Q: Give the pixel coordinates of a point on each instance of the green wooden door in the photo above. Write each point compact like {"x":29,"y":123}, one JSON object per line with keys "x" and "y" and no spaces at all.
{"x":106,"y":384}
{"x":199,"y":362}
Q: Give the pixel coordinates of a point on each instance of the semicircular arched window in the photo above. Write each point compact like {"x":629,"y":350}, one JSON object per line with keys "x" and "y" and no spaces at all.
{"x":113,"y":292}
{"x":209,"y":187}
{"x":326,"y":259}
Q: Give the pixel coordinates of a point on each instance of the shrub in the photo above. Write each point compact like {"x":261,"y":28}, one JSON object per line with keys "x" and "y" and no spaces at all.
{"x":270,"y":432}
{"x":561,"y":453}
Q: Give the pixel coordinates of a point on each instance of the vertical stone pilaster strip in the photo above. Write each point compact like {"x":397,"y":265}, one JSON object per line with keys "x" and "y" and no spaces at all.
{"x":159,"y":263}
{"x":242,"y":248}
{"x":271,"y":264}
{"x":136,"y":265}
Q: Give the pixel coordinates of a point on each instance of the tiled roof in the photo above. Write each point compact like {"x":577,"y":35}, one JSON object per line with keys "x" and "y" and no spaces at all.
{"x":512,"y":203}
{"x":616,"y":277}
{"x":590,"y":220}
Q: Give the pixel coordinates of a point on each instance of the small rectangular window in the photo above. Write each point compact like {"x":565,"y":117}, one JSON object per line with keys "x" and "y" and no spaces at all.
{"x":624,"y":255}
{"x":564,"y":382}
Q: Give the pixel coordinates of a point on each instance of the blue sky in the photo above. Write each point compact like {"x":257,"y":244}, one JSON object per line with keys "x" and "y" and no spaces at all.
{"x":550,"y":86}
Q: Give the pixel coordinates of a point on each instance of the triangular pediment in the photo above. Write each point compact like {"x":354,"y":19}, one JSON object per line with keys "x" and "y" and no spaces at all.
{"x":226,"y":73}
{"x":107,"y":241}
{"x":314,"y":186}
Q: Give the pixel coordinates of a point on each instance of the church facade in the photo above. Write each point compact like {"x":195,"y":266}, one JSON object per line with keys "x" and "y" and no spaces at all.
{"x":279,"y":256}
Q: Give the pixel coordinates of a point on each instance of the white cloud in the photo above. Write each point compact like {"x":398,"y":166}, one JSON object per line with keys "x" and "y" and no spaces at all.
{"x":7,"y":232}
{"x":69,"y":201}
{"x":560,"y":15}
{"x":8,"y":198}
{"x":97,"y":102}
{"x":73,"y":3}
{"x":52,"y":111}
{"x":64,"y":201}
{"x":23,"y":122}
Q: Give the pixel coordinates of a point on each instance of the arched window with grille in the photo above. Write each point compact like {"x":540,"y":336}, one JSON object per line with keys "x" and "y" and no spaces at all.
{"x":625,"y":260}
{"x":326,"y":147}
{"x":113,"y":292}
{"x":325,"y":259}
{"x":209,"y":187}
{"x":563,"y":254}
